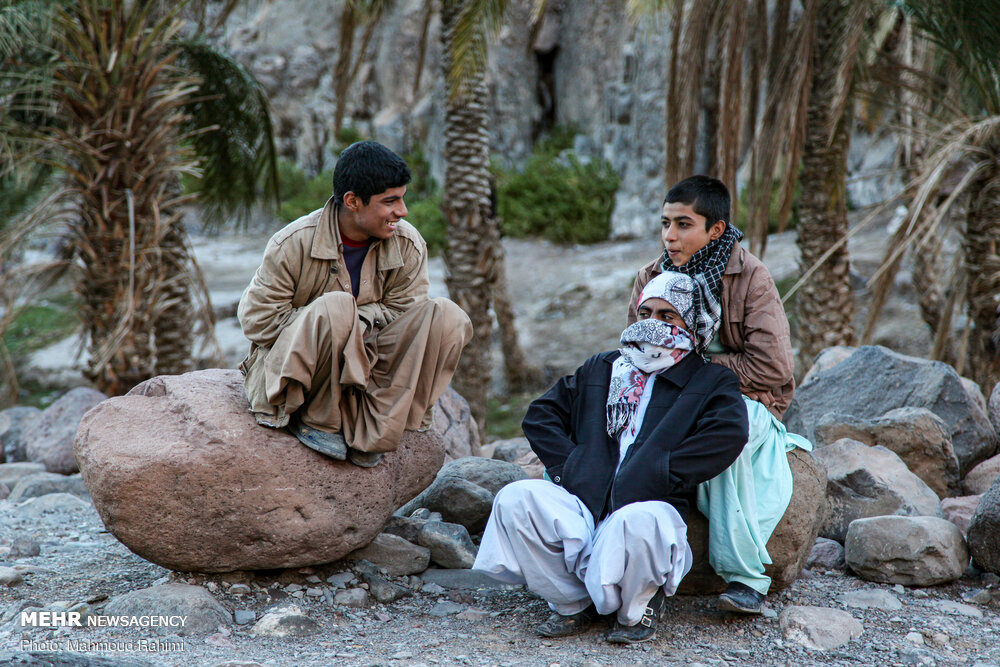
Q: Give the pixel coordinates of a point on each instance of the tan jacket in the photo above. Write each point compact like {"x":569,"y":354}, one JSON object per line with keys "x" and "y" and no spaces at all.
{"x":754,"y":326}
{"x":302,"y":262}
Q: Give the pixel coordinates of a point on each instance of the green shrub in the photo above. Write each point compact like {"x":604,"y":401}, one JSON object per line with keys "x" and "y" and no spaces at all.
{"x":425,"y":214}
{"x":558,"y":197}
{"x":299,"y":194}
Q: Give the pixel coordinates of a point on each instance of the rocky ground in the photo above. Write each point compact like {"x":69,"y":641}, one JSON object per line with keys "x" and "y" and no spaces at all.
{"x":452,"y":618}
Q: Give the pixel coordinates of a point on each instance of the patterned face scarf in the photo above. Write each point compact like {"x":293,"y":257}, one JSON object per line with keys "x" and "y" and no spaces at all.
{"x":648,"y":347}
{"x":706,"y":268}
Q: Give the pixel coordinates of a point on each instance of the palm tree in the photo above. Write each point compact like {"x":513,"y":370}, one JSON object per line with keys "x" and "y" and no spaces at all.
{"x":960,"y":168}
{"x":474,"y":256}
{"x":113,"y":97}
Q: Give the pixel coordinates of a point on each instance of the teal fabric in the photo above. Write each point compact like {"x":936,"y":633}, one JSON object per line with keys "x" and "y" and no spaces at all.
{"x":715,"y":347}
{"x":747,"y":500}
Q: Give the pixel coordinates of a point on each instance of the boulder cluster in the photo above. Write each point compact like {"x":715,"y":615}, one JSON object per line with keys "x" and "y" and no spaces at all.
{"x":902,"y":487}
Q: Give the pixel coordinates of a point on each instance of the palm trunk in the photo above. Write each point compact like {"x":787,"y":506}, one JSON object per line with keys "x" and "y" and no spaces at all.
{"x":982,"y":260}
{"x":473,"y":232}
{"x":826,"y":300}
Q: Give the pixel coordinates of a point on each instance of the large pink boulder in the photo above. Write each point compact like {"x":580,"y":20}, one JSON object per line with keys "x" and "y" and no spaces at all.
{"x":182,"y":475}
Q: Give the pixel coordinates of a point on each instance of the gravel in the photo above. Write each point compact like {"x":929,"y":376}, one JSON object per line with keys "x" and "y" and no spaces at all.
{"x":479,"y":624}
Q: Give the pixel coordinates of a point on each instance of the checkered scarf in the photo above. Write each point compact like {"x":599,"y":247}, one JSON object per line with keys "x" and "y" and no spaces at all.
{"x":706,"y":268}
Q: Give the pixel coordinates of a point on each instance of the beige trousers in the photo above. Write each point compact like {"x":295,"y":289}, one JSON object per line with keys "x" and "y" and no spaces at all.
{"x":373,"y":387}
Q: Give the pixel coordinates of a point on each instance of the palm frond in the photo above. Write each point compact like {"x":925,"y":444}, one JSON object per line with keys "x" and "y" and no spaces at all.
{"x":229,"y":127}
{"x":473,"y":24}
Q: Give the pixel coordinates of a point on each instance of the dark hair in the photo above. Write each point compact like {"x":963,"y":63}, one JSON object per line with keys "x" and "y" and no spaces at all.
{"x":706,"y":195}
{"x":367,"y":168}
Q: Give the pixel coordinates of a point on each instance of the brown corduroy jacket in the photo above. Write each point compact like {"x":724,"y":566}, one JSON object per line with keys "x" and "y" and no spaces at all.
{"x":754,"y":327}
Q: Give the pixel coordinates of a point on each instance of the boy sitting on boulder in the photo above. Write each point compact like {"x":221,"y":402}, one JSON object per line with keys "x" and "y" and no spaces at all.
{"x":346,"y":348}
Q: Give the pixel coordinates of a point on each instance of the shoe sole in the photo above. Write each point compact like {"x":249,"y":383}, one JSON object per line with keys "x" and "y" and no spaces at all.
{"x":363,"y":463}
{"x":728,"y":604}
{"x":626,"y":640}
{"x":336,"y":452}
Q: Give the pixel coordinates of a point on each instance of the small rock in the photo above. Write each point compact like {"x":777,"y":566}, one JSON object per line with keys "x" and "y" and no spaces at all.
{"x":433,"y":589}
{"x":511,"y":450}
{"x":826,"y":555}
{"x":240,"y":589}
{"x":49,"y":438}
{"x":957,"y":609}
{"x":404,"y":526}
{"x":13,"y":422}
{"x":818,"y":628}
{"x":44,"y":483}
{"x":990,"y":578}
{"x":915,"y":551}
{"x":980,"y":597}
{"x":314,"y":592}
{"x":940,"y":639}
{"x":12,"y":473}
{"x":960,"y":510}
{"x":470,"y":580}
{"x":767,"y":612}
{"x":984,"y":531}
{"x":398,"y":556}
{"x":24,"y":547}
{"x":352,"y":597}
{"x":244,"y":616}
{"x":472,"y":614}
{"x":9,"y":576}
{"x":446,"y":608}
{"x":871,"y":599}
{"x":340,"y":579}
{"x":915,"y":638}
{"x":291,"y":588}
{"x":285,"y":621}
{"x":450,"y":544}
{"x":202,"y":612}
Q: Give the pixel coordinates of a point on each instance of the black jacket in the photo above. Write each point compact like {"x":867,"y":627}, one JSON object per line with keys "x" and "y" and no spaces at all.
{"x":694,"y":428}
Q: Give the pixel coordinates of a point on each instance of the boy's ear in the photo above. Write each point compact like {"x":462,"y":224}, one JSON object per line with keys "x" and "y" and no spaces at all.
{"x":351,"y":201}
{"x":717,"y":229}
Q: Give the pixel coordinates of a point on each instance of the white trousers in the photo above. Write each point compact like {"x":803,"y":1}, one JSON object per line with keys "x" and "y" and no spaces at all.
{"x":543,"y":536}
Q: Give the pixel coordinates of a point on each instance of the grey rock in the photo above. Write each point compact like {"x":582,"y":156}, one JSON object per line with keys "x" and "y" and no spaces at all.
{"x":24,"y":547}
{"x":244,"y":616}
{"x":398,"y":556}
{"x":463,"y":490}
{"x":239,"y":589}
{"x":446,"y":608}
{"x":53,"y":503}
{"x":981,"y":478}
{"x":11,"y":473}
{"x":406,"y":527}
{"x":913,"y":551}
{"x":983,"y":596}
{"x":916,"y":435}
{"x":984,"y":531}
{"x":957,"y":608}
{"x":874,"y":380}
{"x":826,"y":555}
{"x":871,"y":599}
{"x":202,"y":612}
{"x":454,"y":423}
{"x":449,"y":543}
{"x":341,"y":579}
{"x":865,"y":481}
{"x":352,"y":597}
{"x":13,"y":421}
{"x":511,"y":450}
{"x":44,"y":483}
{"x":382,"y":589}
{"x":818,"y":628}
{"x":4,"y":491}
{"x":9,"y":576}
{"x":49,"y":438}
{"x":285,"y":621}
{"x":469,"y":580}
{"x":826,"y":360}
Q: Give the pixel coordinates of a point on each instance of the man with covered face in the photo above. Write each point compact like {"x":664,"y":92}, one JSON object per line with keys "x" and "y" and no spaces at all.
{"x":625,"y":441}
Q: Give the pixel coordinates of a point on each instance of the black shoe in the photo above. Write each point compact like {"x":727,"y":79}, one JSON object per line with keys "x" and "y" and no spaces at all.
{"x":331,"y":444}
{"x":645,"y":629}
{"x":363,"y":459}
{"x":558,"y":625}
{"x":741,"y":599}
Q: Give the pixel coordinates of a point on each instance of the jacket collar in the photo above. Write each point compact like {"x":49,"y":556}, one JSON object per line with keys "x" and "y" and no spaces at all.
{"x":678,"y":375}
{"x":326,"y":242}
{"x":735,"y":263}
